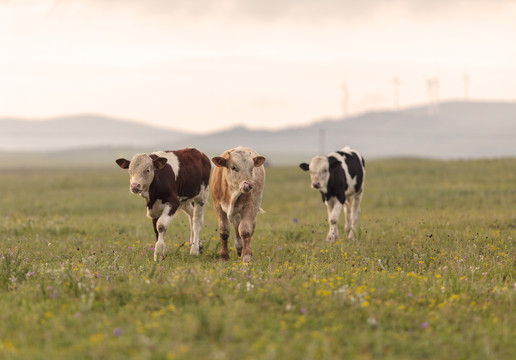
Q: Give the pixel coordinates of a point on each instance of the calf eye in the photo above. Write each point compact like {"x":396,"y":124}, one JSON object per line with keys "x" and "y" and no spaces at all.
{"x":234,"y":168}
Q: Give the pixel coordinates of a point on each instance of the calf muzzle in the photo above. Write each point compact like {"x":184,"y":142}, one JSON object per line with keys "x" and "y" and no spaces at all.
{"x":246,"y":187}
{"x":136,"y":188}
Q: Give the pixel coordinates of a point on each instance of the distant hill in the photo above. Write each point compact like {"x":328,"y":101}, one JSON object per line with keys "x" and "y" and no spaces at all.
{"x":79,"y":131}
{"x":456,"y":130}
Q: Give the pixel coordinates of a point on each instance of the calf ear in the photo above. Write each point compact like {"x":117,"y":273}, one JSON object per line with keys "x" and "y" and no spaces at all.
{"x":258,"y":161}
{"x":333,"y":162}
{"x":159,"y":162}
{"x":123,"y":163}
{"x":219,"y":161}
{"x":304,"y":166}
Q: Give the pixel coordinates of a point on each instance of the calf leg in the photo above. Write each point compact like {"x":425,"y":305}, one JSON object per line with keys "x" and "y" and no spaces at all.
{"x":238,"y":241}
{"x":198,"y":220}
{"x":334,"y":208}
{"x":246,"y":230}
{"x":162,"y":225}
{"x":355,"y":211}
{"x":154,"y":221}
{"x":224,"y":230}
{"x":347,"y":216}
{"x":189,"y":209}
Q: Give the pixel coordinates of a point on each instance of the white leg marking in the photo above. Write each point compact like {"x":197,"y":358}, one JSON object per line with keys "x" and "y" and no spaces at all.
{"x":189,"y":210}
{"x":197,"y":221}
{"x":334,"y":208}
{"x":159,"y":248}
{"x":347,"y":216}
{"x":162,"y":226}
{"x":355,"y":212}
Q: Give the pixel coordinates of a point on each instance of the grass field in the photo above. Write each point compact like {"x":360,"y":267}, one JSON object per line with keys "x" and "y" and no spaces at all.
{"x":431,"y":275}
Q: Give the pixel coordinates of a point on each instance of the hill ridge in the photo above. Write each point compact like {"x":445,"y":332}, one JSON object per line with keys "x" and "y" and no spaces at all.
{"x":459,"y":129}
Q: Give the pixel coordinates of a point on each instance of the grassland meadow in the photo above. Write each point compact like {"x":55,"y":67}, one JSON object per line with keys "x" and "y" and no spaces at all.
{"x":431,"y":275}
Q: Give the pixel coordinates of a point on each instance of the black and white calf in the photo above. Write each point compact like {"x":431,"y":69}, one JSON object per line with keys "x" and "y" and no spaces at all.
{"x":340,"y":179}
{"x":169,"y":181}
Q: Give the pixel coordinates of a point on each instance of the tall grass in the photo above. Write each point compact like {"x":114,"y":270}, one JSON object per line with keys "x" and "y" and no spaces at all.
{"x":431,"y":275}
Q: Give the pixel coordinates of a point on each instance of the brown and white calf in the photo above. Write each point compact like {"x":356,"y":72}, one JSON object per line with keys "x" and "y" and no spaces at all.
{"x":169,"y":181}
{"x":237,"y":187}
{"x":340,"y":179}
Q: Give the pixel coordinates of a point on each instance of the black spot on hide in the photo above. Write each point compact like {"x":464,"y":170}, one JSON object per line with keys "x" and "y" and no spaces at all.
{"x":355,"y":169}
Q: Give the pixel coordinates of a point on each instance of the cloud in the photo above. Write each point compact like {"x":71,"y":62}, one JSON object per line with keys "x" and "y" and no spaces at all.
{"x":297,"y":10}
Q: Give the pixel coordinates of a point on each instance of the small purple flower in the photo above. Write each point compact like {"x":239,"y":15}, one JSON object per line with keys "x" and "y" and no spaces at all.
{"x":425,"y":325}
{"x":303,"y":310}
{"x":296,"y":220}
{"x":117,"y":332}
{"x":280,"y":248}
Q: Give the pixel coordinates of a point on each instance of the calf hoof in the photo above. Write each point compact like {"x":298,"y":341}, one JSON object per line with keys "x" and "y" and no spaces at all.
{"x":159,"y":258}
{"x":224,"y":257}
{"x":332,"y":237}
{"x":247,"y":259}
{"x":194,"y":250}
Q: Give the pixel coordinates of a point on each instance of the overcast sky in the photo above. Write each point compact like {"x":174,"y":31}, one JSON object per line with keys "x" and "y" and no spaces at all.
{"x":202,"y":65}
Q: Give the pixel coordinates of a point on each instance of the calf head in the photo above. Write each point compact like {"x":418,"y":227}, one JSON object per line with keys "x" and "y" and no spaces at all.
{"x":141,"y":171}
{"x":320,"y":168}
{"x":239,"y":169}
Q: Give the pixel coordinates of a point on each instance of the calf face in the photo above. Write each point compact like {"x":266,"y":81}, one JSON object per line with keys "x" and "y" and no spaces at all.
{"x":241,"y":170}
{"x":141,"y":171}
{"x":319,"y":168}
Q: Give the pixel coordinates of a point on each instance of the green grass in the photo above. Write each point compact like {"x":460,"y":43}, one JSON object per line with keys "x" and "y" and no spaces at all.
{"x":432,"y":274}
